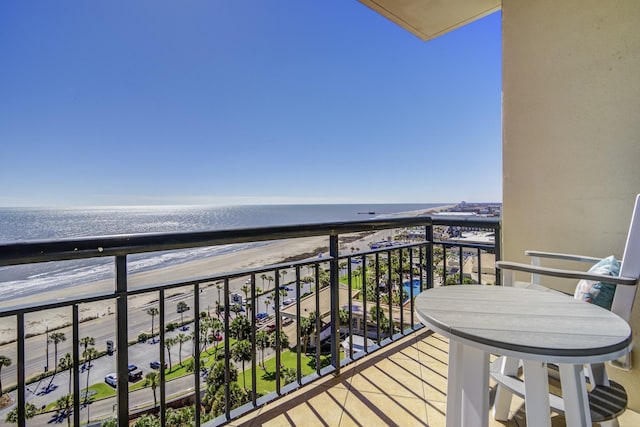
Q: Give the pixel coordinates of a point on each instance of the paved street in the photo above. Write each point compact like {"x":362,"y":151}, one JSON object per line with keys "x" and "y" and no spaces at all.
{"x":50,"y":389}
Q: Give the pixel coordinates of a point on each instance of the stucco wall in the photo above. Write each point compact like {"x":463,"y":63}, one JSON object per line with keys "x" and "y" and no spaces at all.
{"x":571,"y":132}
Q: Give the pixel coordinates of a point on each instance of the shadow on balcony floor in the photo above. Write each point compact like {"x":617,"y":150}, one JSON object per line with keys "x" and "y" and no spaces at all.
{"x":403,"y":385}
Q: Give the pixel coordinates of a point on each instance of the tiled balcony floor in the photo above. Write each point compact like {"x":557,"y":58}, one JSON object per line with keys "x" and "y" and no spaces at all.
{"x":404,"y":384}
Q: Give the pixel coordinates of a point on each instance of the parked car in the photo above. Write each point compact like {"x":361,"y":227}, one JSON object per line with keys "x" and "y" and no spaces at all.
{"x":288,"y":301}
{"x":156,"y":364}
{"x":261,"y":315}
{"x":111,"y":379}
{"x":135,"y":374}
{"x":271,"y":327}
{"x":286,"y":321}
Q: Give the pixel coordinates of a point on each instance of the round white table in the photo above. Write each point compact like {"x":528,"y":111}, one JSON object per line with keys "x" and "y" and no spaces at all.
{"x":535,"y":326}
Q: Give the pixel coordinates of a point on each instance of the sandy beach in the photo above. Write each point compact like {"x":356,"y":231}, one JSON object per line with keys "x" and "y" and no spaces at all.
{"x":258,"y":256}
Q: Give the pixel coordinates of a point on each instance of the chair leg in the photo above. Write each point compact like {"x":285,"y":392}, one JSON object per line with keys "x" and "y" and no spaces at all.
{"x":502,"y":403}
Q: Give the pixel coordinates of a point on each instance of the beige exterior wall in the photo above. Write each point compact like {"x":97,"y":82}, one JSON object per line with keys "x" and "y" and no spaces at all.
{"x":571,"y":132}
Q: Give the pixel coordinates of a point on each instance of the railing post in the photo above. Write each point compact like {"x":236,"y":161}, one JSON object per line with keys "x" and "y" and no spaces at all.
{"x":21,"y":374}
{"x":161,"y":370}
{"x":498,"y":250}
{"x":122,"y":349}
{"x":460,"y":264}
{"x":254,"y":311}
{"x":335,"y":303}
{"x":276,"y":312}
{"x":196,"y":352}
{"x":429,"y":238}
{"x":76,"y":359}
{"x":227,"y":353}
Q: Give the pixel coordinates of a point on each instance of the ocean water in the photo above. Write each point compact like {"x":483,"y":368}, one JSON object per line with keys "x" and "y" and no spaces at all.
{"x":37,"y":224}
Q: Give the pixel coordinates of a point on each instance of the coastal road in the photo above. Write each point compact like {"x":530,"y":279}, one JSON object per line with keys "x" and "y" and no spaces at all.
{"x":102,"y":329}
{"x":106,"y":408}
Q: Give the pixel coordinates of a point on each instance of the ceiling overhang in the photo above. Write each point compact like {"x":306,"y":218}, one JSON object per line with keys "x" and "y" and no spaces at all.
{"x":428,"y":19}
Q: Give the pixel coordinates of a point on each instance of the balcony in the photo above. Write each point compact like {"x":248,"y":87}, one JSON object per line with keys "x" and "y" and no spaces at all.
{"x":403,"y":384}
{"x":349,"y":350}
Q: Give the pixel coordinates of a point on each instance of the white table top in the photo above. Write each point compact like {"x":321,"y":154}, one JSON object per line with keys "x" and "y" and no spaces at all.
{"x":525,"y":323}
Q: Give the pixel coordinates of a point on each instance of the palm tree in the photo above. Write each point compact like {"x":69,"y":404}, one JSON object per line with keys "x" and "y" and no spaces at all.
{"x":56,"y":337}
{"x":263,"y":277}
{"x":4,"y":361}
{"x":182,"y":338}
{"x":284,"y":340}
{"x":182,"y":307}
{"x":216,"y":327}
{"x":64,"y":405}
{"x":242,"y":352}
{"x":169,"y":342}
{"x":152,"y":379}
{"x":270,"y":279}
{"x":191,"y":365}
{"x":307,"y":327}
{"x":246,"y":288}
{"x":65,"y":363}
{"x":89,"y":354}
{"x":283,"y":273}
{"x":153,"y":311}
{"x":240,"y":328}
{"x":205,"y":327}
{"x":30,"y":411}
{"x":262,"y":342}
{"x":86,"y":342}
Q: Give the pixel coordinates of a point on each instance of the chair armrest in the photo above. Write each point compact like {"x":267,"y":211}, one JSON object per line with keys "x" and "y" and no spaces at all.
{"x":567,"y":274}
{"x":568,"y":257}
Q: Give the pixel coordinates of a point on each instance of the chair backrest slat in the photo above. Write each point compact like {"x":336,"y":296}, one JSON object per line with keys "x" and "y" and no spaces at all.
{"x":630,"y":267}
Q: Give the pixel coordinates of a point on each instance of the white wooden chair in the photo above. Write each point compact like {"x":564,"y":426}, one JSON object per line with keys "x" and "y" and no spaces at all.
{"x":607,"y":399}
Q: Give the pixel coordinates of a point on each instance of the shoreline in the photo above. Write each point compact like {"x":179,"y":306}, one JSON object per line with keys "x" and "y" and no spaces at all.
{"x":39,"y":322}
{"x":264,"y":255}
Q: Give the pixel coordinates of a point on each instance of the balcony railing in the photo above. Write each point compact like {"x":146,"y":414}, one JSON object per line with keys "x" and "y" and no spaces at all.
{"x":347,"y":304}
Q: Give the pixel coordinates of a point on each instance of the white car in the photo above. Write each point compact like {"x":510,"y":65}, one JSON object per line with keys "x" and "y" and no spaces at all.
{"x":111,"y":379}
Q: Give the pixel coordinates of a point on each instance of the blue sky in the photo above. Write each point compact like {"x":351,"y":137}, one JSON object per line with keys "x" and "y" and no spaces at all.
{"x":227,"y":102}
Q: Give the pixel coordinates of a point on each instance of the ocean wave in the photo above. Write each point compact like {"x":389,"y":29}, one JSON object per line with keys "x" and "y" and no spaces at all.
{"x":47,"y":278}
